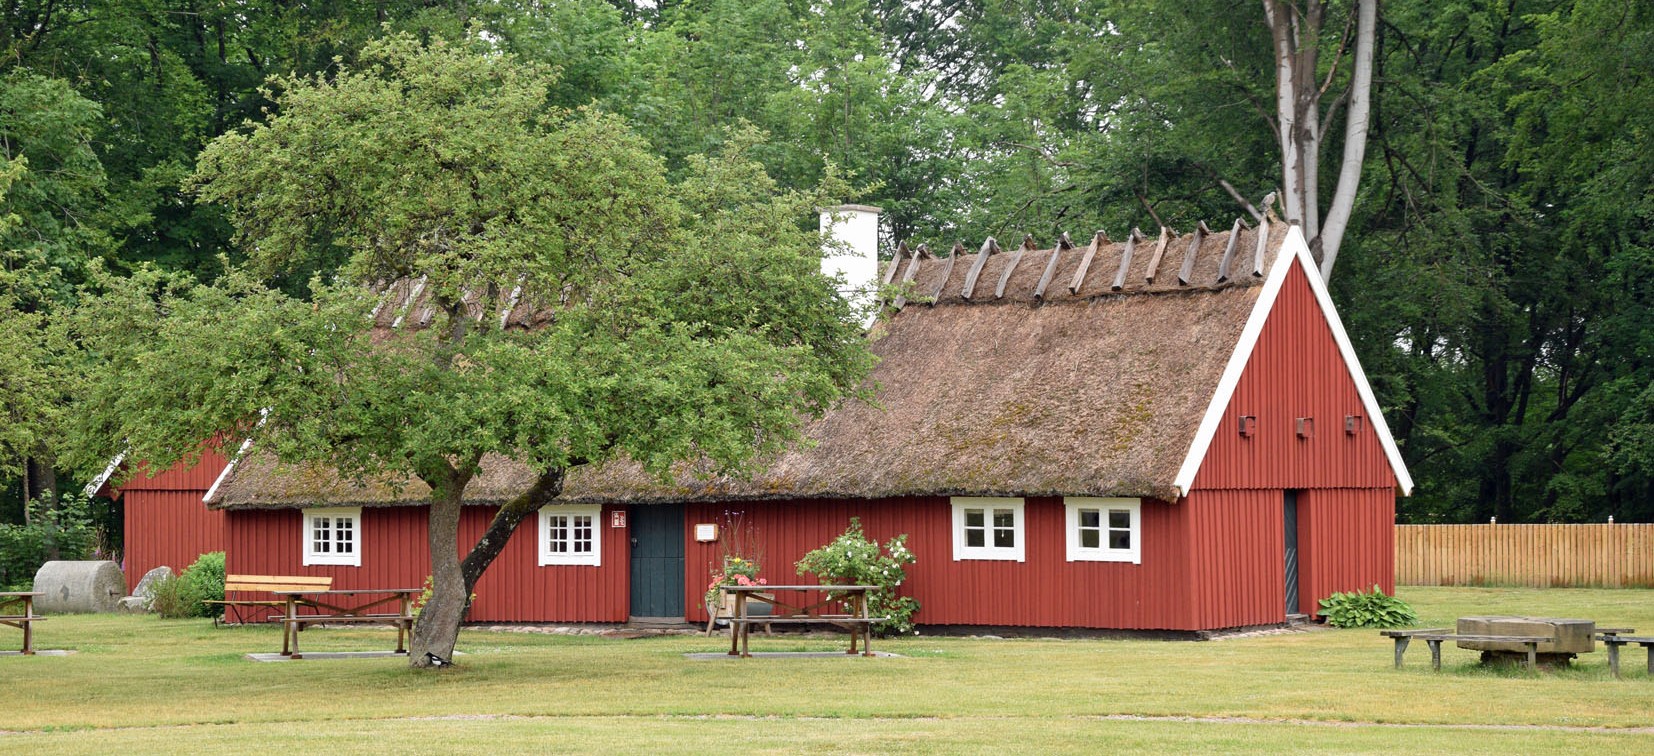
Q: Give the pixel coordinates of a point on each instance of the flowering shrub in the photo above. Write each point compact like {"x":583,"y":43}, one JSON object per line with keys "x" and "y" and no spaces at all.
{"x":736,"y":571}
{"x":852,"y":559}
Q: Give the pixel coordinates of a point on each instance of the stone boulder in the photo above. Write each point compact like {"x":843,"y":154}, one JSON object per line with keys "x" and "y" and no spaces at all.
{"x":145,"y":592}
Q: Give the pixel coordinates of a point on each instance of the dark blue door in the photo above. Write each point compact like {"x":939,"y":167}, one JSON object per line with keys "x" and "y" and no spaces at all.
{"x":657,"y":560}
{"x":1290,"y":515}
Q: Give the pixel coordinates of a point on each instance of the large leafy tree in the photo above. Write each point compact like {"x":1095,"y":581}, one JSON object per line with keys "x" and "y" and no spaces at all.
{"x":685,"y":321}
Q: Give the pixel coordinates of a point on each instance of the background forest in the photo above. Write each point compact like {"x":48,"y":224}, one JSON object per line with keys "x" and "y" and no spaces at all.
{"x":1497,"y":275}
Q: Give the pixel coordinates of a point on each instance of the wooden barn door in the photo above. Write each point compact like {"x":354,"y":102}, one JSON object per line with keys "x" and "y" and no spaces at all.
{"x":657,"y":561}
{"x":1290,"y":518}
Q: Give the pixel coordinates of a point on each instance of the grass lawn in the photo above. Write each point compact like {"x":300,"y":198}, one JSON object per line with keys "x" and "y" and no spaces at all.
{"x":140,"y":684}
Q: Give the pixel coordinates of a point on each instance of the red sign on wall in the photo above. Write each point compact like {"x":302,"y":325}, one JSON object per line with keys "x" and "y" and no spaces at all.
{"x":617,"y":518}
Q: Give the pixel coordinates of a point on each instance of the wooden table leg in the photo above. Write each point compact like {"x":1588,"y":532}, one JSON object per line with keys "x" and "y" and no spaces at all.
{"x":1401,"y":648}
{"x":28,"y":626}
{"x":1650,"y":647}
{"x":1614,"y":658}
{"x":287,"y":639}
{"x":1435,"y":654}
{"x":866,"y":628}
{"x":746,"y":627}
{"x":1533,"y":655}
{"x":404,"y":626}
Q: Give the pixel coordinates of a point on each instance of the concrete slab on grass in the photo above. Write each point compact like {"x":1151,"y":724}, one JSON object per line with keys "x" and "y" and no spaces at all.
{"x":38,"y":652}
{"x":326,"y":656}
{"x":790,"y":655}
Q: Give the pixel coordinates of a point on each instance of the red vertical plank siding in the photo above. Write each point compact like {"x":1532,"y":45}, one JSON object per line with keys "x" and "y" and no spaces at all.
{"x":1346,"y":502}
{"x":1346,"y":542}
{"x":395,"y":555}
{"x":180,"y":477}
{"x":165,"y":522}
{"x":168,"y":528}
{"x":1295,"y":371}
{"x":1046,"y":590}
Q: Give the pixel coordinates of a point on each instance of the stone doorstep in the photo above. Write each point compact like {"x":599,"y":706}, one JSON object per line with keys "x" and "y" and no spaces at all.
{"x":39,"y":652}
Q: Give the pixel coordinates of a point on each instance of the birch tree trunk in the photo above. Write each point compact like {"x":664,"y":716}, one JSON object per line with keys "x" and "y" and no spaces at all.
{"x":1296,"y":36}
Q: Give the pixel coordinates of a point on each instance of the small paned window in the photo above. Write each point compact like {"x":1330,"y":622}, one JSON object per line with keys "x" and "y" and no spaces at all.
{"x":987,"y":528}
{"x":569,"y":535}
{"x":1104,"y":530}
{"x":332,"y":536}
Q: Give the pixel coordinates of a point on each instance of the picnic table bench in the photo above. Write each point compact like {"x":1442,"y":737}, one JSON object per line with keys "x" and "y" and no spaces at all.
{"x":268,"y":585}
{"x":856,"y":621}
{"x":23,"y":621}
{"x":1435,"y":637}
{"x":1613,"y":638}
{"x":329,"y":607}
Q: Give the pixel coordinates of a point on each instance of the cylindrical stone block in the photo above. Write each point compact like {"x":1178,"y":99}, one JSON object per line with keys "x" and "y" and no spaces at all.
{"x":79,"y":587}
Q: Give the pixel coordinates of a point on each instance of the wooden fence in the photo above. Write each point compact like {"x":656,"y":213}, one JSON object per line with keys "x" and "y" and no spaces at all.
{"x":1546,"y":556}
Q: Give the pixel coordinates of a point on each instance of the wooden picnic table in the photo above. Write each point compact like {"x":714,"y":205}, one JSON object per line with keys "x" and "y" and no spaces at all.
{"x":856,"y":621}
{"x":337,"y":607}
{"x":24,"y":621}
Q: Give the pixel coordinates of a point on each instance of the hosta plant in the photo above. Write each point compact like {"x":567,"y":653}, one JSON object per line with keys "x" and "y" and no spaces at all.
{"x":1363,"y":609}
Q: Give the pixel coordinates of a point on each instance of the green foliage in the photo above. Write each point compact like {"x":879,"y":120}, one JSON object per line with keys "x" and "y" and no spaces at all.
{"x":853,"y":559}
{"x":185,"y":595}
{"x":65,"y":532}
{"x":1362,"y":609}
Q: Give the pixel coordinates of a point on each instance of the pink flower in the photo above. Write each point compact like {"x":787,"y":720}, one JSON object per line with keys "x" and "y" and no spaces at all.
{"x":743,"y":580}
{"x":762,"y":581}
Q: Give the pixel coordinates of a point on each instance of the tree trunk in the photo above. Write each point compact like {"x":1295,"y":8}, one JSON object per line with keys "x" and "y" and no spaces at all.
{"x":1355,"y":137}
{"x":1295,"y":34}
{"x":453,"y":579}
{"x":437,"y":628}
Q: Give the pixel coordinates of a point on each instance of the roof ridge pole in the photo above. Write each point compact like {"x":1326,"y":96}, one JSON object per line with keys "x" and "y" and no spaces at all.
{"x":1166,"y":234}
{"x":1063,"y":244}
{"x":895,"y":262}
{"x":1097,"y":240}
{"x":1257,"y":252}
{"x":907,"y":277}
{"x":947,"y":272}
{"x":989,"y":247}
{"x":1125,"y":259}
{"x":1229,"y":250}
{"x":1016,"y":257}
{"x":1187,"y":272}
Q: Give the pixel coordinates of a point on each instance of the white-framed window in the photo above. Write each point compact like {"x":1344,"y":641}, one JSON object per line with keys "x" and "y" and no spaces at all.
{"x":570,"y":535}
{"x":1104,"y":530}
{"x":988,"y":528}
{"x":333,"y":536}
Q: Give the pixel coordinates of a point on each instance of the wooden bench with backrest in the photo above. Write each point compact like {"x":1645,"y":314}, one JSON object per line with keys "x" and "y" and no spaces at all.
{"x":265,"y":584}
{"x":1435,"y":636}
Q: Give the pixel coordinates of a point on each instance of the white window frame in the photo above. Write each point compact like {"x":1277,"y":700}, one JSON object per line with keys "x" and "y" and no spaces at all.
{"x":313,"y":557}
{"x":988,"y":551}
{"x":1102,"y":553}
{"x":550,"y":558}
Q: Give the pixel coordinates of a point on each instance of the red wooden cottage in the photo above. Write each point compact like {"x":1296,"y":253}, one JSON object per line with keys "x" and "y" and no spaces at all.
{"x":162,"y":518}
{"x":1167,"y":435}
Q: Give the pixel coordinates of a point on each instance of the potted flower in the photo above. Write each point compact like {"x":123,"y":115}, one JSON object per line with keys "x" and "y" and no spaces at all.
{"x":736,"y":571}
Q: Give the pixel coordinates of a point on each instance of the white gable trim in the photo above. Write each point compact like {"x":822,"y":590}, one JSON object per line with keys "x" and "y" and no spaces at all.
{"x":1293,"y":249}
{"x":96,"y":485}
{"x":224,"y":474}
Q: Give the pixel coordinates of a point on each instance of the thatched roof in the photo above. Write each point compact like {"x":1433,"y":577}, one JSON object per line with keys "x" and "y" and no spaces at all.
{"x":1094,"y":392}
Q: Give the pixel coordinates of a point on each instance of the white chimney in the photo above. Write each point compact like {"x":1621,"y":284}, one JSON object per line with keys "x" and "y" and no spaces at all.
{"x":856,"y":229}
